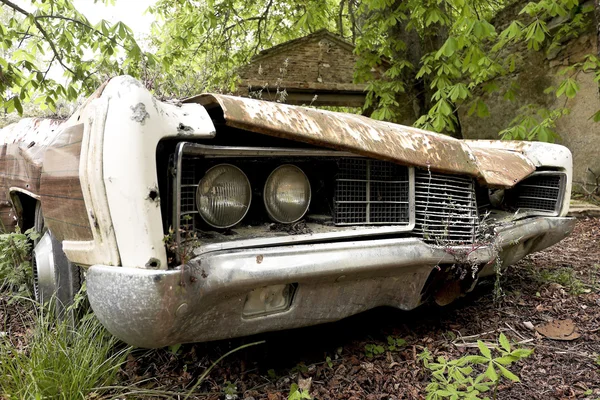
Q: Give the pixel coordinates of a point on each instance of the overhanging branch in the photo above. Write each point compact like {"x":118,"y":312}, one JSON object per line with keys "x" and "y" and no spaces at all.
{"x":47,"y":38}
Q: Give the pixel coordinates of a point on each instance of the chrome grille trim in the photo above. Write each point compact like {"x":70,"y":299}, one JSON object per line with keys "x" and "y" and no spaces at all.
{"x":541,"y":192}
{"x":187,"y":151}
{"x":189,"y":186}
{"x":373,"y":192}
{"x":445,"y":208}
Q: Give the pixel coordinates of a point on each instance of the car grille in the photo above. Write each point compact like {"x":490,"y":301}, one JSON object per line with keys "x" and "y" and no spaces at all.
{"x":356,"y":191}
{"x":540,"y":192}
{"x":371,"y":192}
{"x":189,"y":185}
{"x":445,"y":208}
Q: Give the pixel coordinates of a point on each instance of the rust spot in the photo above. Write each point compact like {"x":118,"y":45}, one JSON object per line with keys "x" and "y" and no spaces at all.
{"x":382,"y":140}
{"x":259,"y":258}
{"x":449,"y":292}
{"x":193,"y":279}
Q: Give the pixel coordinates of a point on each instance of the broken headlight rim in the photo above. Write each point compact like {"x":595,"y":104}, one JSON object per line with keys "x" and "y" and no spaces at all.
{"x":496,"y":197}
{"x":223,"y":196}
{"x":287,"y":194}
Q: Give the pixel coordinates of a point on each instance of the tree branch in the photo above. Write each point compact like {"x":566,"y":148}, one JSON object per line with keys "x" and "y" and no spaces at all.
{"x":262,"y":19}
{"x":57,"y":54}
{"x":76,"y":21}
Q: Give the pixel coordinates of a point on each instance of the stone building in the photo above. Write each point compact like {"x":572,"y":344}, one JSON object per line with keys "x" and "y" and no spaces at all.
{"x":317,"y":69}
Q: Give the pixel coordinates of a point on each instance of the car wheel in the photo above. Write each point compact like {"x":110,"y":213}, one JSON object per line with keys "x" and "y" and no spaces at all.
{"x":55,"y":278}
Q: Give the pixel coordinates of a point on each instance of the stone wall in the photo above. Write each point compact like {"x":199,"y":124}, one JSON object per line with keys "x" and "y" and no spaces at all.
{"x":537,"y":72}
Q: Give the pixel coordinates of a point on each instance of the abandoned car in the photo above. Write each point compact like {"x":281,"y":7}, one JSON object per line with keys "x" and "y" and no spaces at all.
{"x":224,"y":216}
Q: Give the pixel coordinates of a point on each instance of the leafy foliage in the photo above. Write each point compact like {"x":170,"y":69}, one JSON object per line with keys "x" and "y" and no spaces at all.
{"x":372,"y":350}
{"x":462,"y":378}
{"x":52,"y":34}
{"x":393,"y":344}
{"x":15,"y":262}
{"x":534,"y":123}
{"x":203,"y":56}
{"x":298,"y":394}
{"x":422,"y":61}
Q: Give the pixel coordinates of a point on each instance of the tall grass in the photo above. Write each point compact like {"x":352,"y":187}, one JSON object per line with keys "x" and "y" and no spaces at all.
{"x":57,"y":359}
{"x":60,"y":361}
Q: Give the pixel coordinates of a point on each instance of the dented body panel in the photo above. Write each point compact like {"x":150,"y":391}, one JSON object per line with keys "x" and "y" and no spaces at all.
{"x":382,"y":140}
{"x":109,"y":181}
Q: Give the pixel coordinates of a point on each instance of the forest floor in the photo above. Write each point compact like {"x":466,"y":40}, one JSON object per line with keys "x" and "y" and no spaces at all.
{"x":336,"y":361}
{"x":560,"y":283}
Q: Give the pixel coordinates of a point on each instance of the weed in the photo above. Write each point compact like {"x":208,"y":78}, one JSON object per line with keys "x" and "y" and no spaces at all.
{"x":230,"y":390}
{"x":564,"y":277}
{"x":209,"y":369}
{"x":15,"y":262}
{"x":329,"y":362}
{"x":60,"y":361}
{"x":395,"y":343}
{"x":470,"y":376}
{"x":372,"y":350}
{"x":300,"y":368}
{"x":272,"y":374}
{"x":174,"y":348}
{"x":298,"y":394}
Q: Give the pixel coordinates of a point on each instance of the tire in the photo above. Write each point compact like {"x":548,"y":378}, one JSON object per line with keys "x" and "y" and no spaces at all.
{"x":55,"y":278}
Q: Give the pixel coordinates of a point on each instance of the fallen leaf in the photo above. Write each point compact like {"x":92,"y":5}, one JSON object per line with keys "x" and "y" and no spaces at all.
{"x":559,"y":330}
{"x":528,"y":325}
{"x":304,"y":384}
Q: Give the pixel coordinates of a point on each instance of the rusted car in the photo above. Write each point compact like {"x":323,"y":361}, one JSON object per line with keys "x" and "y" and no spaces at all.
{"x":224,"y":216}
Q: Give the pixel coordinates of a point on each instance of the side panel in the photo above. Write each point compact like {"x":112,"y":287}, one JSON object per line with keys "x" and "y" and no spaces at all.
{"x":60,"y":188}
{"x":16,"y":171}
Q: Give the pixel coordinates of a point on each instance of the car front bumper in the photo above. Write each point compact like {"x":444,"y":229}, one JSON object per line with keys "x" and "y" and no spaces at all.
{"x":205,"y":300}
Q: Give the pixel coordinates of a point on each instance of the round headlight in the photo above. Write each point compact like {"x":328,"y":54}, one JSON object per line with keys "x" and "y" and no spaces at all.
{"x":223,"y":196}
{"x":287,"y":194}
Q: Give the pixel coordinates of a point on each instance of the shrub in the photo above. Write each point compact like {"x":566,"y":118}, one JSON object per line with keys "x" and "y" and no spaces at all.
{"x":472,"y":375}
{"x":15,"y":262}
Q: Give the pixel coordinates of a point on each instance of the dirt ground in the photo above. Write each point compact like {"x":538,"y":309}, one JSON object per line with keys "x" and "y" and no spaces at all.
{"x":559,"y":283}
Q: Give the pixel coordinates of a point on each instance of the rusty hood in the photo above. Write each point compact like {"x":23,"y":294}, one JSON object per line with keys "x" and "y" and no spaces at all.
{"x":377,"y":139}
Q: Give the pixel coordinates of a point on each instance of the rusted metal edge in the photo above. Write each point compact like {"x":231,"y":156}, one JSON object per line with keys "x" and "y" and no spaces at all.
{"x":377,"y":139}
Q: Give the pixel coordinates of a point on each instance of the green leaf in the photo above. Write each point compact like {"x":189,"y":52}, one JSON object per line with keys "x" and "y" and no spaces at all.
{"x":490,"y":372}
{"x":596,"y":116}
{"x":521,"y":353}
{"x":485,"y":351}
{"x":477,"y":359}
{"x":504,"y":342}
{"x":506,"y":360}
{"x":507,"y":374}
{"x":18,"y":105}
{"x":482,"y":109}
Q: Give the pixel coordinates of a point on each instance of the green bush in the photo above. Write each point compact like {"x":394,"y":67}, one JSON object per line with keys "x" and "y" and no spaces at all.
{"x":15,"y":262}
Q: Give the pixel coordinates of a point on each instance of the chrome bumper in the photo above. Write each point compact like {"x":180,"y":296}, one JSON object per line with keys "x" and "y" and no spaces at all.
{"x":155,"y":308}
